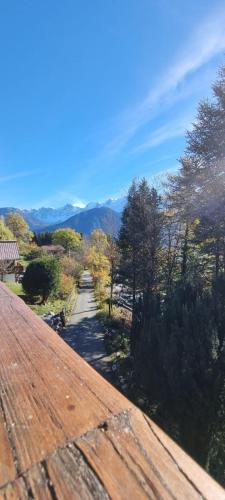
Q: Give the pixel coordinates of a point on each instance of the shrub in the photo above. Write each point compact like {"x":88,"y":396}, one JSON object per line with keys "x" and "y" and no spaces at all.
{"x":66,"y":285}
{"x":35,"y":253}
{"x":70,"y":267}
{"x":41,"y":277}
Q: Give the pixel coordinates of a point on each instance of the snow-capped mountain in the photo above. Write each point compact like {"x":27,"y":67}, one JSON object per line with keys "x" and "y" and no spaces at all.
{"x":115,"y":204}
{"x":46,"y":216}
{"x":56,"y":215}
{"x":52,"y":215}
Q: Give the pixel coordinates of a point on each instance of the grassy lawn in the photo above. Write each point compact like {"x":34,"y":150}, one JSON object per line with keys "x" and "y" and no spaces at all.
{"x":16,"y":288}
{"x":54,"y":305}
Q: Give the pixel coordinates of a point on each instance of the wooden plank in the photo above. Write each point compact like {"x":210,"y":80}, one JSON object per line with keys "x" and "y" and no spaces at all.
{"x":67,"y":433}
{"x":64,"y":475}
{"x":72,"y":477}
{"x":38,"y":483}
{"x":46,"y":386}
{"x":207,"y":487}
{"x":33,"y":484}
{"x":15,"y":491}
{"x":131,"y":462}
{"x":30,"y":328}
{"x":7,"y":466}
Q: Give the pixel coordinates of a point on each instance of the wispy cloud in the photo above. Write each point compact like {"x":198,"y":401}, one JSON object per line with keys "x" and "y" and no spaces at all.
{"x":176,"y":83}
{"x":207,"y":41}
{"x":170,"y":130}
{"x":18,"y":175}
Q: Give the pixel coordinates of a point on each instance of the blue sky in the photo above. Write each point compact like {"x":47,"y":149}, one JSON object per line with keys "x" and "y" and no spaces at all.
{"x":94,"y":93}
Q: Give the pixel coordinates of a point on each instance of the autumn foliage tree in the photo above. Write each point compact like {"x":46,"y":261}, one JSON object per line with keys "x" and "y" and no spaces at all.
{"x":71,"y":267}
{"x":66,"y":285}
{"x":67,"y":238}
{"x":5,"y":232}
{"x":18,"y":226}
{"x":98,"y":261}
{"x":112,"y":253}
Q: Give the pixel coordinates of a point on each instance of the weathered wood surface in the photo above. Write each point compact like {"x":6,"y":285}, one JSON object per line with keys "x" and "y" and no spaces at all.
{"x":66,"y":433}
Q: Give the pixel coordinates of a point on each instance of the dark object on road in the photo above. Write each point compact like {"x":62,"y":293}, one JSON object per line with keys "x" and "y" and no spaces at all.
{"x":63,"y":318}
{"x":56,"y":321}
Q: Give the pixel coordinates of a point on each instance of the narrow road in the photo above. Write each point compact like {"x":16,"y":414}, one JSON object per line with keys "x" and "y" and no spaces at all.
{"x":84,"y":332}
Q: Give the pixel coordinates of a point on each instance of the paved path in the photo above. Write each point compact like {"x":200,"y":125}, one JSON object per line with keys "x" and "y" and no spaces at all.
{"x":84,"y":332}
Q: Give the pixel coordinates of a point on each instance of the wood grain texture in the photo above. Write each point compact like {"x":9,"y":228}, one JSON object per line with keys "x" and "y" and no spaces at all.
{"x":49,"y":394}
{"x":7,"y":468}
{"x":66,"y":433}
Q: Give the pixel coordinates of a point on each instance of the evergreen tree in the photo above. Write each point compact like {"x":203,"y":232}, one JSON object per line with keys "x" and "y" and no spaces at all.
{"x":206,"y":145}
{"x":43,"y":238}
{"x":139,"y":242}
{"x":41,"y":277}
{"x":181,"y":199}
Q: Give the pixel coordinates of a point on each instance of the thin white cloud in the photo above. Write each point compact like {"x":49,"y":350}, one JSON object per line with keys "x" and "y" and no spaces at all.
{"x":207,"y":41}
{"x":170,"y":130}
{"x":18,"y":175}
{"x":77,"y":202}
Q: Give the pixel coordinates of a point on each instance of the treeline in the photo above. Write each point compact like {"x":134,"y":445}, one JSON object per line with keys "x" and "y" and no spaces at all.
{"x":50,"y":265}
{"x":53,"y":269}
{"x":172,"y":258}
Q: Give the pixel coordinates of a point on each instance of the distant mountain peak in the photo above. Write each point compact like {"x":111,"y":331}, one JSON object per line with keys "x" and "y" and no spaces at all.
{"x":95,"y":218}
{"x":41,"y":218}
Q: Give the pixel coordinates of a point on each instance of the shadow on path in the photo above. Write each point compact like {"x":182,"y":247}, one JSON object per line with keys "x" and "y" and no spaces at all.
{"x":85,"y":333}
{"x":87,"y":339}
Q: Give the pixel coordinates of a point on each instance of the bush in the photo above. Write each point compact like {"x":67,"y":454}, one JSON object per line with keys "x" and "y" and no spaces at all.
{"x":70,"y":267}
{"x":41,"y":277}
{"x":35,"y":253}
{"x":66,"y":285}
{"x":25,"y":248}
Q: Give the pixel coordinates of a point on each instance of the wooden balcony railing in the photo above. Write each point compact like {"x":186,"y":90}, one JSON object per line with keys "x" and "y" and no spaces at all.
{"x":66,"y":433}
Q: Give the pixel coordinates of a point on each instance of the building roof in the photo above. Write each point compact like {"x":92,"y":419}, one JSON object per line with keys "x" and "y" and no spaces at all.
{"x":9,"y":250}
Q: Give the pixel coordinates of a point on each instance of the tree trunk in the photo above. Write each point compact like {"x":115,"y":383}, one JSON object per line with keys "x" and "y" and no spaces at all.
{"x":217,"y":258}
{"x":132,"y":340}
{"x":111,"y":291}
{"x":133,"y":294}
{"x":223,"y":256}
{"x":185,"y":252}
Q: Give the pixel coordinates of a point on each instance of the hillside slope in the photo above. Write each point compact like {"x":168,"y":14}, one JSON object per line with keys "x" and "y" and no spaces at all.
{"x":33,"y":223}
{"x":97,"y":218}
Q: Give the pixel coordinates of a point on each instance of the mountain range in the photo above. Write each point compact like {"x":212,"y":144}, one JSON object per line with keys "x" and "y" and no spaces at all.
{"x":106,"y":216}
{"x":96,"y":218}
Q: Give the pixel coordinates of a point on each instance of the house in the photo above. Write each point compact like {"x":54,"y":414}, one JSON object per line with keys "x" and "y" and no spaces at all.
{"x":53,"y":250}
{"x":9,"y":255}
